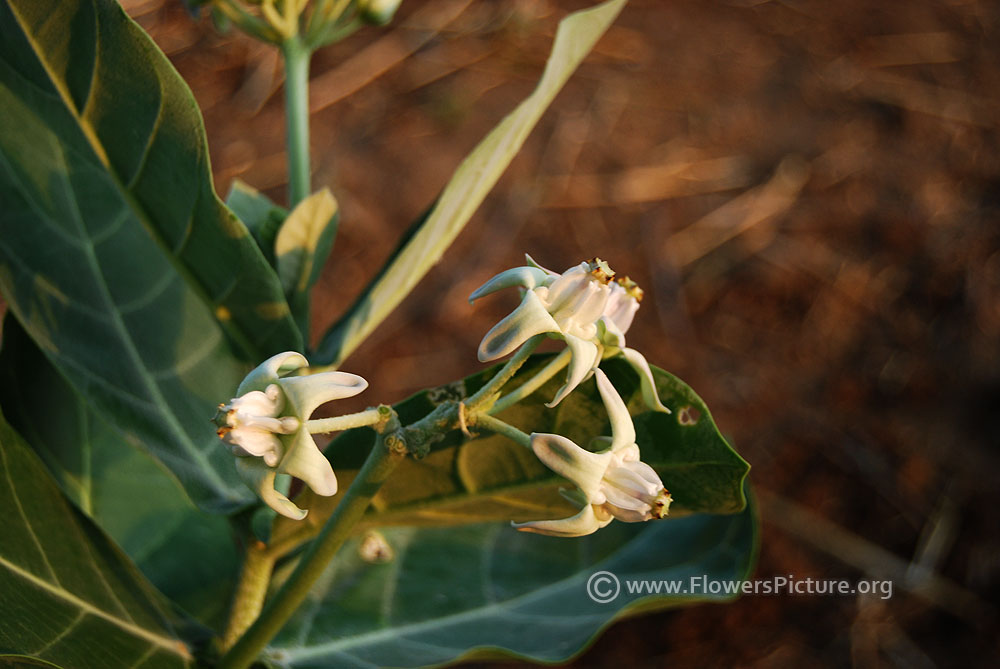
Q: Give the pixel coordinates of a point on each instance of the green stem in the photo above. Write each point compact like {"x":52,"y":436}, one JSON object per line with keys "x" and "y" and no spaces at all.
{"x":297,"y":56}
{"x":249,"y":598}
{"x":506,"y":373}
{"x":348,"y":422}
{"x":500,"y":427}
{"x":380,"y":463}
{"x":534,"y":383}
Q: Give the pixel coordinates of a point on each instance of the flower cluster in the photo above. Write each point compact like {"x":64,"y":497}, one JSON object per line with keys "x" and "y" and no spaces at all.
{"x":265,"y":427}
{"x":613,"y":483}
{"x":591,"y":309}
{"x":586,"y":306}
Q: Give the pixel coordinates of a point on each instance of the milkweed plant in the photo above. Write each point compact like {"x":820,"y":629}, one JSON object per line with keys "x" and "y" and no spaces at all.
{"x":170,"y":496}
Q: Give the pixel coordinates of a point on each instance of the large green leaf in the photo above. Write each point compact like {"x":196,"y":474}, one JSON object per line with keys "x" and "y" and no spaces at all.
{"x":450,"y":591}
{"x":70,"y":596}
{"x":427,"y":241}
{"x":115,"y":252}
{"x":492,"y":478}
{"x":188,"y":554}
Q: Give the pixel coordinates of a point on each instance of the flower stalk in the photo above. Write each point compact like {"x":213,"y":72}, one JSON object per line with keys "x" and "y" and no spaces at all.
{"x":297,"y":56}
{"x":486,"y":394}
{"x":255,"y":576}
{"x":382,"y":460}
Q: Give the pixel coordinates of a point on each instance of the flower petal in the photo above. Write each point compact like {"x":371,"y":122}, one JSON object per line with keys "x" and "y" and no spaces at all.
{"x":646,"y":383}
{"x":305,"y":461}
{"x":565,"y":458}
{"x":529,"y":319}
{"x":260,"y":478}
{"x":261,"y":443}
{"x":525,"y":277}
{"x":266,"y":372}
{"x":584,"y":523}
{"x":531,"y":263}
{"x":305,"y":393}
{"x":609,"y":333}
{"x":628,"y":515}
{"x":586,"y":356}
{"x":622,"y":429}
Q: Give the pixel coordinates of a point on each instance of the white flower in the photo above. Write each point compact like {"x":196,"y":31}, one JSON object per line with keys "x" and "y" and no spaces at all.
{"x":614,"y":483}
{"x":567,"y":306}
{"x":265,"y":427}
{"x":614,"y":323}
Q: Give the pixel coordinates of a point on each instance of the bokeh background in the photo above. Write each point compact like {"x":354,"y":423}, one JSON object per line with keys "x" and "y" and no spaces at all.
{"x":809,"y":193}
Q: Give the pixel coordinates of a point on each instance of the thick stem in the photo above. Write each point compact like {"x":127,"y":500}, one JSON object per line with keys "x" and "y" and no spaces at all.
{"x":348,"y":422}
{"x":534,"y":383}
{"x":249,"y":598}
{"x":380,"y":463}
{"x":500,"y":427}
{"x":297,"y":56}
{"x":506,"y":373}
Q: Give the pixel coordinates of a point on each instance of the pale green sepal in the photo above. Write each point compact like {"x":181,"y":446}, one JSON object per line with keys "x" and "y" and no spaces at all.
{"x":306,"y":393}
{"x":573,"y":463}
{"x":584,"y":523}
{"x":586,"y":355}
{"x":266,"y":372}
{"x":622,"y":429}
{"x":260,"y":478}
{"x":524,"y":277}
{"x":646,"y":384}
{"x":304,"y":461}
{"x":529,"y":319}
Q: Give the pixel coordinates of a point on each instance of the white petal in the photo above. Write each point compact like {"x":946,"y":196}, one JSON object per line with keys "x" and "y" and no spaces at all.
{"x":584,"y":523}
{"x":254,"y":441}
{"x":531,"y":263}
{"x":525,"y":277}
{"x":305,"y":393}
{"x":565,"y":458}
{"x":622,"y":429}
{"x":628,"y":515}
{"x":258,"y":403}
{"x":610,"y":334}
{"x":568,"y":288}
{"x":619,"y":499}
{"x":266,"y":372}
{"x":646,"y":383}
{"x":621,"y":308}
{"x":586,"y":356}
{"x":529,"y":319}
{"x":305,"y":461}
{"x":648,"y":474}
{"x":260,"y":479}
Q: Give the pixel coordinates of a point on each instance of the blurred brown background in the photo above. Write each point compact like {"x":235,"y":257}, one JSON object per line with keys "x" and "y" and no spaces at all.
{"x":809,"y":193}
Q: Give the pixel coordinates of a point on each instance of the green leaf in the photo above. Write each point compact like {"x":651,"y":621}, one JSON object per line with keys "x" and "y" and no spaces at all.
{"x":424,"y":245}
{"x":302,"y":245}
{"x":70,"y":597}
{"x":491,"y":478}
{"x":115,"y":252}
{"x":451,"y":591}
{"x":261,"y":216}
{"x":188,"y":555}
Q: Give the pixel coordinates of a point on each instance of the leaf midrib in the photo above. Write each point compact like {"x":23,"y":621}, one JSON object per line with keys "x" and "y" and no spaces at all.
{"x":311,"y":652}
{"x":173,"y":645}
{"x":196,"y":285}
{"x":152,"y":387}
